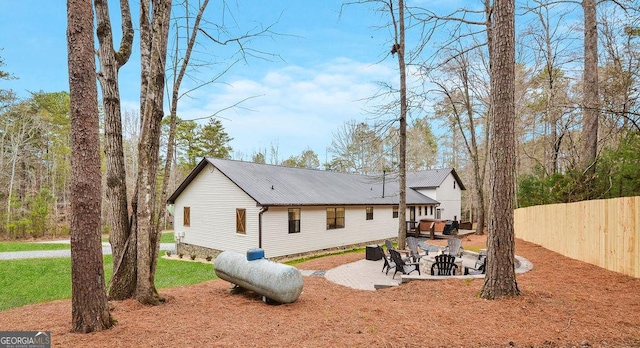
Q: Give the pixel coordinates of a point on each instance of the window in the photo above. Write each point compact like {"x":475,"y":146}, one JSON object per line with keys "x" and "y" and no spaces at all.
{"x":335,"y":218}
{"x":454,"y":184}
{"x":438,"y":215}
{"x":241,"y":221}
{"x":431,"y":210}
{"x":420,"y":210}
{"x":186,"y":216}
{"x":369,"y":213}
{"x":395,"y":211}
{"x":294,"y":220}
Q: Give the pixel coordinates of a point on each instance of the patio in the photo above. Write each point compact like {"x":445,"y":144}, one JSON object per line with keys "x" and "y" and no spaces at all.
{"x":367,"y":275}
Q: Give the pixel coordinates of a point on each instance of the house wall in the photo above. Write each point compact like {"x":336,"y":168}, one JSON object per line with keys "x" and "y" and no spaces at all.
{"x":449,"y":196}
{"x":424,"y":212}
{"x":450,"y":199}
{"x":277,"y":241}
{"x":213,"y":200}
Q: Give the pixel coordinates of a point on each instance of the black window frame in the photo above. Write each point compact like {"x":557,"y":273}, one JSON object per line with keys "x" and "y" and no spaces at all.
{"x":333,"y":223}
{"x":294,"y":224}
{"x":394,"y":213}
{"x":369,"y":212}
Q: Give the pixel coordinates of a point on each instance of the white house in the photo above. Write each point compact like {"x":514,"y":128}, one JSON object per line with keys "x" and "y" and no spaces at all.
{"x":234,"y":205}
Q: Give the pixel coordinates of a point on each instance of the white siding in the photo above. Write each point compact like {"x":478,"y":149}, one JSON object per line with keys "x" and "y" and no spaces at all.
{"x":277,"y":241}
{"x":213,"y":200}
{"x":449,"y":196}
{"x":424,"y":212}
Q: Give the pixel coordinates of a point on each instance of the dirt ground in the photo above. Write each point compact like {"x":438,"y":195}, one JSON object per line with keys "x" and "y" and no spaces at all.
{"x":564,"y":303}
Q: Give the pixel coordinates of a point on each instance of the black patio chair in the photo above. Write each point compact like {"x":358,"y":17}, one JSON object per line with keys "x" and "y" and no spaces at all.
{"x":401,"y":265}
{"x":388,"y":263}
{"x":389,"y":246}
{"x":444,"y":265}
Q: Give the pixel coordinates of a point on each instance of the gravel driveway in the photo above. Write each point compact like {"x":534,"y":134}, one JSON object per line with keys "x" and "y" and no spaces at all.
{"x":106,"y":250}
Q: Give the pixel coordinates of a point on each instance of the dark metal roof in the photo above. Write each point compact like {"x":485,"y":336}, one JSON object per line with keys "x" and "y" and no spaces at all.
{"x":432,"y":178}
{"x":287,"y":186}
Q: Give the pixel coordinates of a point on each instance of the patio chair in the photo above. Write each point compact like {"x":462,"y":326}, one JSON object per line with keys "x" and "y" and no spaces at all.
{"x":444,"y":265}
{"x":401,"y":265}
{"x":454,"y":247}
{"x":412,"y":242}
{"x":388,"y":263}
{"x":479,"y":268}
{"x":390,"y":246}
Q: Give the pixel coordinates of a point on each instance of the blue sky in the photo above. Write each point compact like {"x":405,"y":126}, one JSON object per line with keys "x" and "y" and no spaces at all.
{"x":328,"y":64}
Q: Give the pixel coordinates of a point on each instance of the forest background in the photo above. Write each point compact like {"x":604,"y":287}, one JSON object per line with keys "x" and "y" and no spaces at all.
{"x":448,"y":118}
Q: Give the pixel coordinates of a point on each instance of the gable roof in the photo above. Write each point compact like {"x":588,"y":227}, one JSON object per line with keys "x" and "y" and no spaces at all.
{"x":288,"y":186}
{"x":432,"y":178}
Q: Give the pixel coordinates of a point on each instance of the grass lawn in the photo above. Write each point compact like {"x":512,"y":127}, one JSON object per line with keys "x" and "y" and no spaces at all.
{"x":40,"y":280}
{"x":28,"y":246}
{"x":165,"y":237}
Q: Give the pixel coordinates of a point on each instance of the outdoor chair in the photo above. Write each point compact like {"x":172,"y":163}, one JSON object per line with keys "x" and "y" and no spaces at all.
{"x":388,"y":263}
{"x":401,"y":265}
{"x":480,"y":266}
{"x":454,"y":247}
{"x":389,"y":246}
{"x":444,"y":265}
{"x":412,"y":242}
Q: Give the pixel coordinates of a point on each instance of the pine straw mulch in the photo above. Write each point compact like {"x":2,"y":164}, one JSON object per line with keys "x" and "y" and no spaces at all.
{"x":564,"y":303}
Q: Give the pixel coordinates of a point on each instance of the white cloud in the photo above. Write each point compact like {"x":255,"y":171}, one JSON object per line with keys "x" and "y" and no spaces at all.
{"x":294,"y":107}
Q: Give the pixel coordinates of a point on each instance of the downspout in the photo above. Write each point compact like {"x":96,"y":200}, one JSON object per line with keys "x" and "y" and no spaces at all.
{"x":264,"y":208}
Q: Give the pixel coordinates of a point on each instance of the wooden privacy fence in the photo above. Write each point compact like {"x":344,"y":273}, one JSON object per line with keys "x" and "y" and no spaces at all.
{"x":604,"y":233}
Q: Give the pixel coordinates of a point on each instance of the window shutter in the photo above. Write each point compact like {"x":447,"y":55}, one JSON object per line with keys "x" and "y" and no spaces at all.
{"x":240,"y":221}
{"x":186,"y":216}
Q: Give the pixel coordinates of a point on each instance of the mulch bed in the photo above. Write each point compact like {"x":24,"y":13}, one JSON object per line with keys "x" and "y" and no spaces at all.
{"x":564,"y":303}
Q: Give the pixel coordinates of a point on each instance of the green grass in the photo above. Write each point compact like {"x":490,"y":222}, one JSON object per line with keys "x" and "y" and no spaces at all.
{"x":165,"y":237}
{"x":40,"y":280}
{"x":29,"y":246}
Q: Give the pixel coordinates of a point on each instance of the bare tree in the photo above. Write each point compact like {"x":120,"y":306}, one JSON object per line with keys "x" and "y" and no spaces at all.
{"x":395,"y":10}
{"x":356,"y":148}
{"x":89,"y":308}
{"x":500,"y":279}
{"x":179,"y":70}
{"x":467,"y":112}
{"x":121,"y":237}
{"x":398,"y":47}
{"x":591,"y":103}
{"x":154,"y":30}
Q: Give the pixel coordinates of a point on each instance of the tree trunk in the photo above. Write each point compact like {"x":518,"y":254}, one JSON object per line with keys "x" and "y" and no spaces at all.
{"x":500,"y":279}
{"x":174,"y":100}
{"x":89,"y":307}
{"x":591,"y":105}
{"x":399,"y":47}
{"x":148,"y":149}
{"x":121,"y":237}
